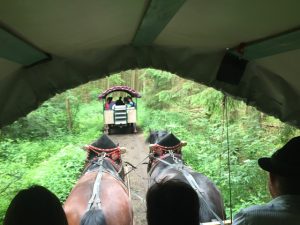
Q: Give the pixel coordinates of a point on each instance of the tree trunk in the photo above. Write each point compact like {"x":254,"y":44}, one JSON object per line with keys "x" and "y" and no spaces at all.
{"x":69,"y":115}
{"x":107,"y":82}
{"x":136,"y":80}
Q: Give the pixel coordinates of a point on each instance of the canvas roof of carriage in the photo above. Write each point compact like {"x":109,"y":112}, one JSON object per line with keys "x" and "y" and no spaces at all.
{"x":126,"y":89}
{"x":49,"y":46}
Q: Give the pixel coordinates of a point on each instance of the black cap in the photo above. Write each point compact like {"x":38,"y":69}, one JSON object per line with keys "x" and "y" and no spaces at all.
{"x":285,"y":161}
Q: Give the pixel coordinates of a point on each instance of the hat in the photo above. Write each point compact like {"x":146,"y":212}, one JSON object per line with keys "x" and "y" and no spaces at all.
{"x":285,"y":161}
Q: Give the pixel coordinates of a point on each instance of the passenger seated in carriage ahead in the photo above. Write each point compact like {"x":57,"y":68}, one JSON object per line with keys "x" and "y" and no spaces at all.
{"x":130,"y":102}
{"x":112,"y":103}
{"x":119,"y":101}
{"x":284,"y":186}
{"x":172,"y":202}
{"x":33,"y":206}
{"x":125,"y":100}
{"x":109,"y":103}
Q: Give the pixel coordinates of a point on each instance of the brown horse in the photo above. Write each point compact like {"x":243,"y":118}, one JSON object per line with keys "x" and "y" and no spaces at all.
{"x":100,"y":196}
{"x":166,"y":163}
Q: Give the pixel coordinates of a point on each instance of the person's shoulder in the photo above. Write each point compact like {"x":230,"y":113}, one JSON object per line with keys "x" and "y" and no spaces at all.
{"x":244,"y":216}
{"x":255,"y":208}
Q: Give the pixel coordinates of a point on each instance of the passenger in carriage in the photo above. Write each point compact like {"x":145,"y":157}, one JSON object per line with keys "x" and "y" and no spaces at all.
{"x":112,"y":103}
{"x":130,"y":102}
{"x":125,"y":100}
{"x":33,"y":206}
{"x":284,"y":186}
{"x":108,"y":103}
{"x":172,"y":202}
{"x":119,"y":101}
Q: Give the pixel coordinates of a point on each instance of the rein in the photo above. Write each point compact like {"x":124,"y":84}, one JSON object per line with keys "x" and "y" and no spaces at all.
{"x":135,"y":167}
{"x":178,"y":165}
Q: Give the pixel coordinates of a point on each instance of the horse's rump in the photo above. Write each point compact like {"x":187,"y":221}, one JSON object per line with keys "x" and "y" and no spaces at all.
{"x":113,"y":195}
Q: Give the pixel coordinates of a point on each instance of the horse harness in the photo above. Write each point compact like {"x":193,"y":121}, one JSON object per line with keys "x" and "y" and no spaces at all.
{"x":112,"y":154}
{"x":175,"y":152}
{"x":103,"y":154}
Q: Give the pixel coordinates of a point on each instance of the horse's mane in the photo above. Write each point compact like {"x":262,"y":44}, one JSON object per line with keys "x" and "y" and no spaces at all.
{"x":93,"y":217}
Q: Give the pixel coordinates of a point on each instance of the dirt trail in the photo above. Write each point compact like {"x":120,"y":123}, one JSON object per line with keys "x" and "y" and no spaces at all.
{"x":137,"y":150}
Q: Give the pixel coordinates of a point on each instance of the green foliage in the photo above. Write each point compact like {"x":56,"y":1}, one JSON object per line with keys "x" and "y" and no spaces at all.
{"x":157,"y":81}
{"x":59,"y":177}
{"x":40,"y":149}
{"x":115,"y":79}
{"x":199,"y":118}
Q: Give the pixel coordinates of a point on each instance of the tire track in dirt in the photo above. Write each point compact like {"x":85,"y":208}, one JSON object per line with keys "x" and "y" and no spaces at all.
{"x":137,"y":150}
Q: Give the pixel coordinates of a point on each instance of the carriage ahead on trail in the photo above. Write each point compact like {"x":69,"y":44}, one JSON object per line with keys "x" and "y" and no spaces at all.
{"x":119,"y":108}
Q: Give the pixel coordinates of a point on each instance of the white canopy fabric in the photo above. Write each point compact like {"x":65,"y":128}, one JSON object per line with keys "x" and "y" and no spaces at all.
{"x":49,"y":46}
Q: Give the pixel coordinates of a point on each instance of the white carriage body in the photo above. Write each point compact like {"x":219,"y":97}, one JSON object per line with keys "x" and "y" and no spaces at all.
{"x":120,"y":115}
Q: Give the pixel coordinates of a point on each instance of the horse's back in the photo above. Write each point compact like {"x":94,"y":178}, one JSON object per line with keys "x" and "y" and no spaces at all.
{"x":114,"y":198}
{"x":208,"y":189}
{"x":115,"y":201}
{"x":211,"y":193}
{"x":77,"y":202}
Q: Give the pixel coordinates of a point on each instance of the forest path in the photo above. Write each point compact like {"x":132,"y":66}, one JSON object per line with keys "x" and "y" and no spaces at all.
{"x":137,"y":150}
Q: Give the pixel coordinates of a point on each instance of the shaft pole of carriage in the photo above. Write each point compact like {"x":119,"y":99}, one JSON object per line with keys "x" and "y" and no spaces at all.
{"x":134,"y":167}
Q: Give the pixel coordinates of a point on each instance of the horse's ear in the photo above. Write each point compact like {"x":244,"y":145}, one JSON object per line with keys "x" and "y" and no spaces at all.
{"x":123,"y":150}
{"x":183,"y":143}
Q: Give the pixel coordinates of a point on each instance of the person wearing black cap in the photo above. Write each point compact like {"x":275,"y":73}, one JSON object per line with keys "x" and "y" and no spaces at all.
{"x":284,"y":186}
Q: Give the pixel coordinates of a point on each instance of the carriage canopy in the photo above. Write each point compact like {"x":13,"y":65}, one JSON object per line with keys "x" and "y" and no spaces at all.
{"x":126,"y":89}
{"x":248,"y":49}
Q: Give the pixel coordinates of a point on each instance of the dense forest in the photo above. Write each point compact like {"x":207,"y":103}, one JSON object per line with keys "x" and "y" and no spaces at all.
{"x":224,"y":135}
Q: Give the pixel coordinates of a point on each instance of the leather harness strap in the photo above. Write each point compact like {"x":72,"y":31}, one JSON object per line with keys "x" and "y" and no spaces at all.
{"x":95,"y":199}
{"x":179,"y":166}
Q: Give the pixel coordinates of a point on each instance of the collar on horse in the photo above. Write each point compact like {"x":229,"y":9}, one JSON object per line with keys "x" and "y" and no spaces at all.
{"x":112,"y":154}
{"x":161,"y":150}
